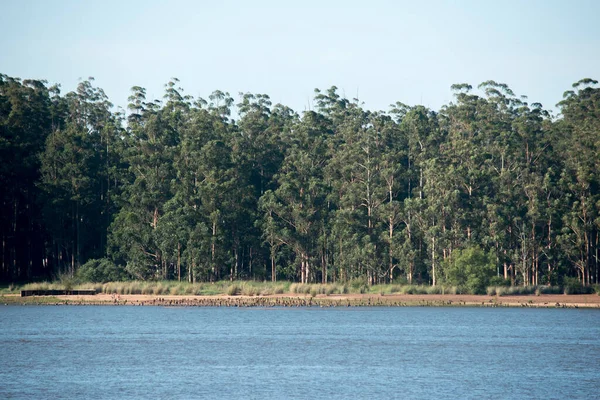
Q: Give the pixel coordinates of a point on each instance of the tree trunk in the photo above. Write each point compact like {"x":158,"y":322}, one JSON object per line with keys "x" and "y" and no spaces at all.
{"x":213,"y":251}
{"x":433,"y":260}
{"x":323,"y":267}
{"x":78,"y":238}
{"x":179,"y":261}
{"x":391,"y":250}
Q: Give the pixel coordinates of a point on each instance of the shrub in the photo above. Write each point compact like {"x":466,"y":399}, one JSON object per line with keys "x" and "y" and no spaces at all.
{"x":279,"y":289}
{"x":233,"y":289}
{"x":395,"y":288}
{"x":572,"y":285}
{"x":472,"y":268}
{"x":101,"y":270}
{"x":299,"y":288}
{"x":499,"y":281}
{"x":451,"y":290}
{"x":331,"y":289}
{"x":67,"y":281}
{"x":549,"y":289}
{"x":249,"y":290}
{"x":435,"y":289}
{"x":358,"y":283}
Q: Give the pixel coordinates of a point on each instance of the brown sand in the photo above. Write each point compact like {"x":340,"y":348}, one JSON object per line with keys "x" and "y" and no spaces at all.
{"x":346,"y":300}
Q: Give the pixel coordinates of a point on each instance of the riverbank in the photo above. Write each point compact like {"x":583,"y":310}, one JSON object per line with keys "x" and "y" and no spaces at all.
{"x":295,"y":300}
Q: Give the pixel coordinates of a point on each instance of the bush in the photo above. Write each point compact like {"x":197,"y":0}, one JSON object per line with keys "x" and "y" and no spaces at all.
{"x":395,"y":289}
{"x":549,"y":290}
{"x":249,"y":290}
{"x":358,"y":283}
{"x":101,"y":270}
{"x":234,"y":290}
{"x":67,"y":281}
{"x":572,"y":285}
{"x":471,"y":268}
{"x":499,"y":281}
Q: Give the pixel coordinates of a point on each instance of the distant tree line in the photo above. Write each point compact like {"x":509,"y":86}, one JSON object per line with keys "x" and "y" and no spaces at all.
{"x":205,"y":190}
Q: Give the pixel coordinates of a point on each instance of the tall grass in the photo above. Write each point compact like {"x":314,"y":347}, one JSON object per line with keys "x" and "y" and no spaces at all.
{"x":523,"y":290}
{"x":255,"y":288}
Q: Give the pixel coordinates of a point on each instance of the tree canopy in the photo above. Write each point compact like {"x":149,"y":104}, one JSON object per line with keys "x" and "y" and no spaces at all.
{"x":200,"y":190}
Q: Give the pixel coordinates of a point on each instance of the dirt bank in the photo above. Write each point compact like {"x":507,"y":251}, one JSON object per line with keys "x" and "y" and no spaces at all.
{"x":346,"y":300}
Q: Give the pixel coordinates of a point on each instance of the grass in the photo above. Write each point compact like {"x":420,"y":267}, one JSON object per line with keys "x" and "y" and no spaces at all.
{"x":256,"y":288}
{"x":12,"y":300}
{"x":523,"y":290}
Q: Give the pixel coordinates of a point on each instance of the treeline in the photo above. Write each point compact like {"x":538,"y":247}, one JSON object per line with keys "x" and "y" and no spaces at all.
{"x":205,"y":190}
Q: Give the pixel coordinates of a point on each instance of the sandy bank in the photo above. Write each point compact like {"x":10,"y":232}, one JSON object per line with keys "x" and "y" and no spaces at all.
{"x":346,"y":300}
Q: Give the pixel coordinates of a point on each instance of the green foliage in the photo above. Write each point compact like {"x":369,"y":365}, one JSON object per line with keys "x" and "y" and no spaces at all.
{"x":472,"y":268}
{"x":499,"y":281}
{"x":180,"y":191}
{"x":572,"y":285}
{"x":523,"y":290}
{"x":101,"y":270}
{"x":234,"y":290}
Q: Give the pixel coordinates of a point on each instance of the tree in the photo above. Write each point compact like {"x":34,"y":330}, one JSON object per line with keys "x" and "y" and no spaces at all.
{"x":472,"y":268}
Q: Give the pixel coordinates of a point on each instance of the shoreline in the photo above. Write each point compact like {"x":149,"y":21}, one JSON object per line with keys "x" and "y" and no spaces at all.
{"x":299,"y":300}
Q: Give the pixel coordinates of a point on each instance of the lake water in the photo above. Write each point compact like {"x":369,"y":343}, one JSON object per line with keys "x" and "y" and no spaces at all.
{"x":49,"y":352}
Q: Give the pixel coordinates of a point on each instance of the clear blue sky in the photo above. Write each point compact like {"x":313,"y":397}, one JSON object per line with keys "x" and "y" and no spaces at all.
{"x":386,"y":51}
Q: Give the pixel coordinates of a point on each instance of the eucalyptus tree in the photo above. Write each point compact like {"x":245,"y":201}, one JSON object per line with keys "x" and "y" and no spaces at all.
{"x":78,"y":165}
{"x":580,"y":179}
{"x":67,"y":170}
{"x":151,"y":140}
{"x":184,"y":191}
{"x":352,"y":171}
{"x":187,"y":200}
{"x":25,"y":122}
{"x":534,"y":170}
{"x":424,"y":138}
{"x":294,"y":211}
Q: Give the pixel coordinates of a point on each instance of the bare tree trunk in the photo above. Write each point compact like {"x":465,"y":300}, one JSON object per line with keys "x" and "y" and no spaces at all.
{"x":179,"y":261}
{"x":73,"y":239}
{"x":78,"y":239}
{"x":433,"y":260}
{"x":15,"y":267}
{"x":323,"y":267}
{"x":4,"y":271}
{"x":513,"y":274}
{"x":155,"y":218}
{"x":213,"y":251}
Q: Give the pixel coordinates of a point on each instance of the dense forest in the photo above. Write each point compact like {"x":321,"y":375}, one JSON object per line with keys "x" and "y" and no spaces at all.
{"x":202,"y":190}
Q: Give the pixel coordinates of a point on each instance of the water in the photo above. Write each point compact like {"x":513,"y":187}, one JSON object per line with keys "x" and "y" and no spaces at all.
{"x":280,"y":353}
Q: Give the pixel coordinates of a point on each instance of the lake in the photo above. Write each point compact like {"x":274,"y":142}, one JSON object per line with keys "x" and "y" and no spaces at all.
{"x":113,"y":352}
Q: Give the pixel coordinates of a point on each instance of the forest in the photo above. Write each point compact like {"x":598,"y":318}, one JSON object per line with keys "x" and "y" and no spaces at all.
{"x":224,"y":188}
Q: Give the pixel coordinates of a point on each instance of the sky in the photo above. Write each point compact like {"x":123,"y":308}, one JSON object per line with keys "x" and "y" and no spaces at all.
{"x":377,"y":51}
